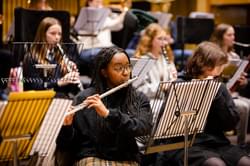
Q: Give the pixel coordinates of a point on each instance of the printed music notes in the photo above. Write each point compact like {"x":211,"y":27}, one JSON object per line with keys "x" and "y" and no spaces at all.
{"x":233,"y":71}
{"x":140,"y":68}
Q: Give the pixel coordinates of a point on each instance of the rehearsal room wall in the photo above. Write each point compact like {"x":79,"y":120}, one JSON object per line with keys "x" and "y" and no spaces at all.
{"x":229,"y":11}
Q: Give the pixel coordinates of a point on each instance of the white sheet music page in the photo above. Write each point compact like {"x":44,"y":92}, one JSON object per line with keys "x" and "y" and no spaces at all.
{"x":91,"y":19}
{"x":233,"y":71}
{"x":45,"y":142}
{"x":141,"y":67}
{"x":184,"y":97}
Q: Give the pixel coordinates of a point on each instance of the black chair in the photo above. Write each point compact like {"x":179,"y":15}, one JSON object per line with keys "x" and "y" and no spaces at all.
{"x":26,"y":24}
{"x":144,"y":18}
{"x":135,"y":21}
{"x":242,"y":33}
{"x":130,"y":25}
{"x":194,"y":30}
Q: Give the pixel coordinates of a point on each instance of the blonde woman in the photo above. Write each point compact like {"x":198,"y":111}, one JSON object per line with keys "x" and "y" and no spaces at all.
{"x":152,"y":41}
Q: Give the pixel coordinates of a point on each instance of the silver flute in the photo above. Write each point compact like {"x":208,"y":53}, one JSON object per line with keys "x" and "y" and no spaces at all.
{"x":109,"y":92}
{"x":69,"y":67}
{"x":241,"y":44}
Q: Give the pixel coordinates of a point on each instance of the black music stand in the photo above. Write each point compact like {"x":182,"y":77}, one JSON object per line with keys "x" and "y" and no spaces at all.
{"x":180,"y":109}
{"x":22,"y":124}
{"x":193,"y":31}
{"x":242,"y":33}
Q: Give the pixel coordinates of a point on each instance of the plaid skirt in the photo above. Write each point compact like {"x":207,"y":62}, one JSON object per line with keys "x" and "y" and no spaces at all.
{"x":94,"y":161}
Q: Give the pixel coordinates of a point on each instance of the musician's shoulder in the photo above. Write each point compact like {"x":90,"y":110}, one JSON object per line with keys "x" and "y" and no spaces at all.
{"x":140,"y":95}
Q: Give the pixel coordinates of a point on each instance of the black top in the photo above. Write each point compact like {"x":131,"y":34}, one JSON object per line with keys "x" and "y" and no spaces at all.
{"x":222,"y":117}
{"x":34,"y":78}
{"x":113,"y":137}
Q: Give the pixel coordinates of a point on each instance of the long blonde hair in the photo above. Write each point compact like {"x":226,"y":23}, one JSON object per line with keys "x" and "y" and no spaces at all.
{"x":145,"y":43}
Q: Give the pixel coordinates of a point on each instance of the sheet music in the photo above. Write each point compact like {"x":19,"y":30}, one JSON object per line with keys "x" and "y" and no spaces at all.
{"x":2,"y":106}
{"x":91,"y":19}
{"x":21,"y":119}
{"x":233,"y":71}
{"x":184,"y":97}
{"x":163,"y":18}
{"x":45,"y":141}
{"x":140,"y":68}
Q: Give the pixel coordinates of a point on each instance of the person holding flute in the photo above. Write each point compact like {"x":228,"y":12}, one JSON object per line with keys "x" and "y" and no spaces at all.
{"x":46,"y":50}
{"x":104,"y":131}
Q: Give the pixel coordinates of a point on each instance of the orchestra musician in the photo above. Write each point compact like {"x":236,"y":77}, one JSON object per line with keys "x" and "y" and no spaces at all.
{"x":45,"y":51}
{"x":154,"y":38}
{"x":224,"y":37}
{"x":103,"y":133}
{"x":101,"y":37}
{"x":211,"y":147}
{"x":154,"y":44}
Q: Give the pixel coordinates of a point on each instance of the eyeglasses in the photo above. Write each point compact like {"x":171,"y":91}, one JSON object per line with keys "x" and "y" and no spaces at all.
{"x":121,"y":68}
{"x":162,"y":38}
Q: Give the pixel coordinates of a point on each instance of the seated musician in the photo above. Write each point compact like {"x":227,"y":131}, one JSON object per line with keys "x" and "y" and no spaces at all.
{"x":151,"y":43}
{"x":45,"y":51}
{"x":154,"y":44}
{"x":103,"y":133}
{"x":211,"y":147}
{"x":101,"y":37}
{"x":224,"y":36}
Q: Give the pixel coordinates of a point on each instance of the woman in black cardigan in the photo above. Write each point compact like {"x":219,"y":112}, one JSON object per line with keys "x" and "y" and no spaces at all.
{"x":104,"y":132}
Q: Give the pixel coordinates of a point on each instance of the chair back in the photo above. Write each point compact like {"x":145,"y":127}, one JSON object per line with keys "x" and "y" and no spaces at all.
{"x":26,"y":24}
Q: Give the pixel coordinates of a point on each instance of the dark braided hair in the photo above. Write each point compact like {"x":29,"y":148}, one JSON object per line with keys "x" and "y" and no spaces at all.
{"x":102,"y":60}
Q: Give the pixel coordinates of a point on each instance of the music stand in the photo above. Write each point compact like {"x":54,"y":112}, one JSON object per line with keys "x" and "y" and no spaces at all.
{"x":141,"y":67}
{"x":45,"y":68}
{"x":233,"y":71}
{"x":91,"y":20}
{"x":22,"y":121}
{"x":45,"y":142}
{"x":180,"y":109}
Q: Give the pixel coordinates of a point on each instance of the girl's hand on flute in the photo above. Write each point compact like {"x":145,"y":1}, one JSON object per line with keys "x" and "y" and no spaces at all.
{"x":69,"y":118}
{"x":96,"y":102}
